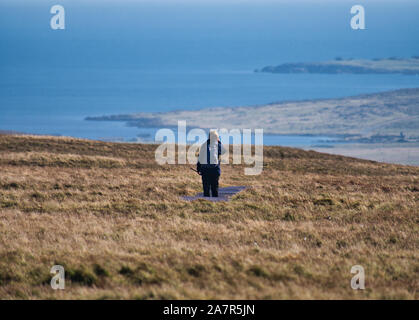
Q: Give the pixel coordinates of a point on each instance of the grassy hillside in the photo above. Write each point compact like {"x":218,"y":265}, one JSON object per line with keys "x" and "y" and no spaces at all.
{"x":113,"y":218}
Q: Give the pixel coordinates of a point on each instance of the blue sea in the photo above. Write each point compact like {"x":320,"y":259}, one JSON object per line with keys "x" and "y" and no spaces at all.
{"x":131,"y":56}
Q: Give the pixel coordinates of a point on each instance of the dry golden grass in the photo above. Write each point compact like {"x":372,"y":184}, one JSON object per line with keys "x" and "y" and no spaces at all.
{"x":114,"y":219}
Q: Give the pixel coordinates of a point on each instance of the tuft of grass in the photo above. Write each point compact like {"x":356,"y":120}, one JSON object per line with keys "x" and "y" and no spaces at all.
{"x":100,"y":271}
{"x":323,"y":202}
{"x":288,"y":216}
{"x":258,"y":271}
{"x":80,"y":276}
{"x":126,"y":271}
{"x":196,"y":270}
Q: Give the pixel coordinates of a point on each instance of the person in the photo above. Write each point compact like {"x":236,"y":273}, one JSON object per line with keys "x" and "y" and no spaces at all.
{"x":208,"y":165}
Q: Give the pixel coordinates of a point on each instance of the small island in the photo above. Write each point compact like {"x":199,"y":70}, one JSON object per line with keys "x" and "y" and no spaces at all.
{"x":392,"y":65}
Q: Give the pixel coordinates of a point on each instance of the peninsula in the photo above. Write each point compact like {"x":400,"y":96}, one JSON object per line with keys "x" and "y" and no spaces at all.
{"x":351,"y":66}
{"x":370,"y":116}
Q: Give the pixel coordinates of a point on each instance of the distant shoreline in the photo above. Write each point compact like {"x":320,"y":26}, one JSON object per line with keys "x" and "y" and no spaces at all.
{"x":390,"y":116}
{"x":379,"y":126}
{"x":407,"y":154}
{"x":391,"y":65}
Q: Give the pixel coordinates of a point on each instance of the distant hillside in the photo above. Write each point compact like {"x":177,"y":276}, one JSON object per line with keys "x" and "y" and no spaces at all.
{"x":115,"y":220}
{"x":376,"y":66}
{"x":383,"y":114}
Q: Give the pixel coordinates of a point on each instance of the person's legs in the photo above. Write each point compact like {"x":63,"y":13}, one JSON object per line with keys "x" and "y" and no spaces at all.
{"x":214,"y":184}
{"x":206,"y":184}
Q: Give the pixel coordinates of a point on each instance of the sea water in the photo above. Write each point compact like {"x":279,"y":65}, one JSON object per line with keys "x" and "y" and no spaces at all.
{"x":128,"y":57}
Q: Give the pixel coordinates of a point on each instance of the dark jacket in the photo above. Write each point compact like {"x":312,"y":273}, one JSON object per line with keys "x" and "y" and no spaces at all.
{"x":210,"y":167}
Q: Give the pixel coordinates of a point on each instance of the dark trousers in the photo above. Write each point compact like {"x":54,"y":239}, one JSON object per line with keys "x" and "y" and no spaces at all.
{"x":210,"y":182}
